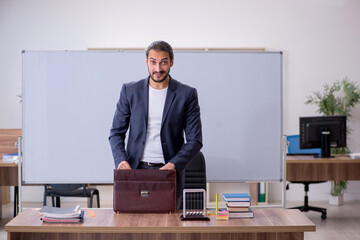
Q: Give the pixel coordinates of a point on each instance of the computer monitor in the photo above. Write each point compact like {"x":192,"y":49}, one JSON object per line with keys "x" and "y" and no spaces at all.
{"x":323,"y":132}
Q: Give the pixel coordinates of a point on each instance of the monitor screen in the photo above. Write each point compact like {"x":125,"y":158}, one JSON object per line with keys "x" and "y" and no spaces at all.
{"x":323,"y":132}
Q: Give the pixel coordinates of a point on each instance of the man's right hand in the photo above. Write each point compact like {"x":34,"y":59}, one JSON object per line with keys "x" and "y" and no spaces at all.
{"x":124,"y":165}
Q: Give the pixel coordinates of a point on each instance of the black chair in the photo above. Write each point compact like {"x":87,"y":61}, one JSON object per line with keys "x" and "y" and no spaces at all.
{"x":293,"y":143}
{"x":195,"y":178}
{"x":306,"y":207}
{"x":70,"y":190}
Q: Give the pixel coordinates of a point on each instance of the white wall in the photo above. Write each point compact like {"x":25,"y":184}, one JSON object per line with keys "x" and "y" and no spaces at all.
{"x":320,"y":40}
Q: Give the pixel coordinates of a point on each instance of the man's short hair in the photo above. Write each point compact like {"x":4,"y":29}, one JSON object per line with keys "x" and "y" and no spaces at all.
{"x":160,"y":46}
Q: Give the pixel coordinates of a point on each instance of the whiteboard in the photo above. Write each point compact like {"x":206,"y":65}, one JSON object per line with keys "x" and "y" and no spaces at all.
{"x":69,"y":99}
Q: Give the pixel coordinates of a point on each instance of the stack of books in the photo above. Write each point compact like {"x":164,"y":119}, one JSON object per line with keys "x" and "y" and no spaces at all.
{"x":61,"y":215}
{"x":238,"y":205}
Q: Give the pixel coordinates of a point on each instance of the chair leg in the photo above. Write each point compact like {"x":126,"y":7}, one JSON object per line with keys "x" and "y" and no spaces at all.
{"x":58,"y":202}
{"x":16,"y":200}
{"x":98,"y":199}
{"x":306,"y":206}
{"x":91,"y":200}
{"x":45,"y":195}
{"x":44,"y":200}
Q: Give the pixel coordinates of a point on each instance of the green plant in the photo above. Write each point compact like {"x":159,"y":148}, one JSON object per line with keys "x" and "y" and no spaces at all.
{"x":337,"y":99}
{"x":338,"y":188}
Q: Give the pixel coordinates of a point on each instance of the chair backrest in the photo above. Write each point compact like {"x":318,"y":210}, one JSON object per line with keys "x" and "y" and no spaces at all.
{"x":195,"y":173}
{"x":294,"y":146}
{"x":64,"y":189}
{"x":195,"y":178}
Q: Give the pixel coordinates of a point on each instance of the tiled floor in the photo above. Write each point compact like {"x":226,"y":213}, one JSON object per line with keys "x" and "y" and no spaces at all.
{"x":342,"y":222}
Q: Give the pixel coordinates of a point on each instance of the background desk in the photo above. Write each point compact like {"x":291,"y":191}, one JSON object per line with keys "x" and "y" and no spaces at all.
{"x":8,"y":177}
{"x":308,"y":168}
{"x":267,"y":224}
{"x":8,"y":170}
{"x":8,"y":174}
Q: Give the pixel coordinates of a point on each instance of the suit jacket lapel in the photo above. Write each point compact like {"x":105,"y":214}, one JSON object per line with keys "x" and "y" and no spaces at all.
{"x":169,"y":99}
{"x":145,"y":98}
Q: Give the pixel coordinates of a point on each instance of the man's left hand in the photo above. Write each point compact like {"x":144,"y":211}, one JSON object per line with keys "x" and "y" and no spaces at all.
{"x":168,"y":166}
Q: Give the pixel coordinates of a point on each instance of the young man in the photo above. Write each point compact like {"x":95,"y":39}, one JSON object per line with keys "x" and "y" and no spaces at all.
{"x":157,"y":111}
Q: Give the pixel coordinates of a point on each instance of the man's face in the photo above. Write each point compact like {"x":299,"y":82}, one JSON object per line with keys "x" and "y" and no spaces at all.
{"x":159,"y":65}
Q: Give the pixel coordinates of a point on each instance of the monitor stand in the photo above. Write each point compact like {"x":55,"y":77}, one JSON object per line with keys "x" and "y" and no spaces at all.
{"x":325,"y":144}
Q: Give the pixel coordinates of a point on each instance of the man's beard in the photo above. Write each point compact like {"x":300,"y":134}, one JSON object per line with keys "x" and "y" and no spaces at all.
{"x":159,"y":80}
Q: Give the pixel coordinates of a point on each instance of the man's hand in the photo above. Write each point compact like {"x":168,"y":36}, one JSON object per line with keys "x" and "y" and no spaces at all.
{"x":168,"y":166}
{"x":124,"y":165}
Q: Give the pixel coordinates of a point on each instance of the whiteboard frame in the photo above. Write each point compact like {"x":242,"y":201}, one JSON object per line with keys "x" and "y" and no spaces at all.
{"x":227,"y":51}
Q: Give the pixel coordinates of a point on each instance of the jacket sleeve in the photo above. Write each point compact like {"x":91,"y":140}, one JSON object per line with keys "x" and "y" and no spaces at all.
{"x":119,"y":128}
{"x":193,"y":133}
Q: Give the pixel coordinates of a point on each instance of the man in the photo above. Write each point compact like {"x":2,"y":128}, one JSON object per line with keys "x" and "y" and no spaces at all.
{"x":157,"y":111}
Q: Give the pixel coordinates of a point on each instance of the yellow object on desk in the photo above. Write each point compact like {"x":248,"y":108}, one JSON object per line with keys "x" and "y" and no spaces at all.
{"x":220,"y":215}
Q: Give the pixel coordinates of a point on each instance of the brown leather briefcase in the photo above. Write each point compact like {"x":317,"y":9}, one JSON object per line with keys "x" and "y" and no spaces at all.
{"x":144,"y":191}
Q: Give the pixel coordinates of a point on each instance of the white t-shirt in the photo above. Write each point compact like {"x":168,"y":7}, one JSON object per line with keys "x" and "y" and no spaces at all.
{"x":153,"y":149}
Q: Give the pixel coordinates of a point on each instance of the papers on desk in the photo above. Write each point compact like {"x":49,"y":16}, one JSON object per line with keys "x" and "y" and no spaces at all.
{"x":355,"y":155}
{"x":61,"y":215}
{"x":10,"y":157}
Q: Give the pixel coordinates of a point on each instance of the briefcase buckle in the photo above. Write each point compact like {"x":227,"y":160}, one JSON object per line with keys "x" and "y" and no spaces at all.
{"x":144,"y":193}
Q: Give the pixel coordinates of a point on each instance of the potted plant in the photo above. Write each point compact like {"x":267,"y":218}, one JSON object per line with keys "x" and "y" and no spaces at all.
{"x":337,"y":192}
{"x":337,"y":99}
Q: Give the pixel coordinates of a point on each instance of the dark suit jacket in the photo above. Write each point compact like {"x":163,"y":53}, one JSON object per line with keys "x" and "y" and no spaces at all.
{"x":181,"y":114}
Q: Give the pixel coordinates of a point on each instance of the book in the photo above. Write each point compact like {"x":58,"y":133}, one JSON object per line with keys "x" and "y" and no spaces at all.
{"x":238,"y":209}
{"x":78,"y":219}
{"x":248,"y":214}
{"x":262,"y":192}
{"x":238,"y":204}
{"x":230,"y":197}
{"x":60,"y":213}
{"x":10,"y":157}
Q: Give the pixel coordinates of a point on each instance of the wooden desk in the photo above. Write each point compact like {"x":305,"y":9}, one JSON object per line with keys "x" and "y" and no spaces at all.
{"x":8,"y":170}
{"x":267,"y":224}
{"x":8,"y":173}
{"x":308,"y":168}
{"x":8,"y":177}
